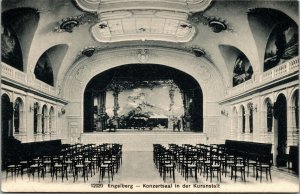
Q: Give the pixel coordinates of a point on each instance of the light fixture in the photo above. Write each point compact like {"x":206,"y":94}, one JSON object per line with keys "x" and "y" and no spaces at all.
{"x":223,"y":112}
{"x":142,"y":30}
{"x":88,"y":52}
{"x":103,"y":25}
{"x":68,"y":25}
{"x":17,"y":104}
{"x":198,"y":52}
{"x":35,"y":106}
{"x":252,"y":107}
{"x":185,"y":26}
{"x":61,"y":112}
{"x":217,"y":26}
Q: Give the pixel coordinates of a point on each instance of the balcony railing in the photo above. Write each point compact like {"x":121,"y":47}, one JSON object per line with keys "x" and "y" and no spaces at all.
{"x":21,"y":77}
{"x":279,"y":71}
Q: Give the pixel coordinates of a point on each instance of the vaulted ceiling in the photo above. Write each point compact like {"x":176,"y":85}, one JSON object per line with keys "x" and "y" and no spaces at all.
{"x":69,"y":29}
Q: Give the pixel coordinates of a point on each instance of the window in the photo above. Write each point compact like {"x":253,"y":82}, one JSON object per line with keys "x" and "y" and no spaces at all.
{"x":243,"y":118}
{"x":251,"y":120}
{"x":17,"y":115}
{"x":269,"y":116}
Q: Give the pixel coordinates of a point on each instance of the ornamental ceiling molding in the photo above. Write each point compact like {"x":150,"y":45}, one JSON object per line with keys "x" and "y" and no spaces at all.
{"x":101,"y":6}
{"x":143,"y":54}
{"x":79,"y":74}
{"x":143,"y":25}
{"x":68,"y":24}
{"x":216,"y":24}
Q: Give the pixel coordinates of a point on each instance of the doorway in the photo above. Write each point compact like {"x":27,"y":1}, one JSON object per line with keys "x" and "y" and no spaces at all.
{"x":280,"y":143}
{"x":6,"y":118}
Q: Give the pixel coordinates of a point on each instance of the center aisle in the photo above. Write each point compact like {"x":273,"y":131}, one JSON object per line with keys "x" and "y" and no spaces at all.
{"x":139,"y":168}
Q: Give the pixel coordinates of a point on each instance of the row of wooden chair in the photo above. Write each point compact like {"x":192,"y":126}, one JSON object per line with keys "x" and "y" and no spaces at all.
{"x":209,"y":160}
{"x":78,"y":159}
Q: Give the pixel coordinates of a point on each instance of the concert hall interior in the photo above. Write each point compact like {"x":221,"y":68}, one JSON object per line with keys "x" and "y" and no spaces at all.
{"x":149,"y":92}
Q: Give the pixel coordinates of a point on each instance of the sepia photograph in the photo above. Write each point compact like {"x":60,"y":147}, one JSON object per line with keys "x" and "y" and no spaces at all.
{"x":149,"y":96}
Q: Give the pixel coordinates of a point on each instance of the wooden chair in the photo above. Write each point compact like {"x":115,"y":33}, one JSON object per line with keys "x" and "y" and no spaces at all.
{"x":264,"y":163}
{"x":240,"y":164}
{"x":106,"y":165}
{"x":168,"y":166}
{"x":36,"y":165}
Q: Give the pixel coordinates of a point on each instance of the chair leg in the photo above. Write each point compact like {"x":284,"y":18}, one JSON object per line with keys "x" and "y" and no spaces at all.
{"x":108,"y":175}
{"x":173,"y":174}
{"x":234,"y":173}
{"x":270,"y":174}
{"x":196,"y":178}
{"x":99,"y":175}
{"x":260,"y":175}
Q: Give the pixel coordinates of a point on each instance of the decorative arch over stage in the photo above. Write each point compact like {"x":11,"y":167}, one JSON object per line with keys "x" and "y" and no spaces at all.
{"x":83,"y":70}
{"x":143,"y":97}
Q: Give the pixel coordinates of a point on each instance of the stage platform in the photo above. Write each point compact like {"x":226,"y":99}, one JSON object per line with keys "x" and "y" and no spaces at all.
{"x":139,"y":140}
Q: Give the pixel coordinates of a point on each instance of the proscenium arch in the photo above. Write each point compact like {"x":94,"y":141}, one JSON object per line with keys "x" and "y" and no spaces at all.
{"x":204,"y":72}
{"x":187,"y":85}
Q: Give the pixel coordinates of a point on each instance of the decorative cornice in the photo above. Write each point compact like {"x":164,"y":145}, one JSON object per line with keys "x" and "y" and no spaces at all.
{"x":216,"y":24}
{"x":102,"y":6}
{"x":68,"y":24}
{"x":143,"y":55}
{"x":143,"y":25}
{"x":143,"y":52}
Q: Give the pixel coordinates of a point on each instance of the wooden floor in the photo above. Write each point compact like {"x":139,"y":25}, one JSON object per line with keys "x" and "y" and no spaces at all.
{"x":138,"y":169}
{"x":139,"y":140}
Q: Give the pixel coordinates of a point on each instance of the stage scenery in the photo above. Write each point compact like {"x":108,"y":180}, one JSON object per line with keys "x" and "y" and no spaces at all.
{"x":149,"y":96}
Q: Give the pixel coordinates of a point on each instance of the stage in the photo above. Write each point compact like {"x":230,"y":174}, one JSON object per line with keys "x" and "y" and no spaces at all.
{"x":143,"y":140}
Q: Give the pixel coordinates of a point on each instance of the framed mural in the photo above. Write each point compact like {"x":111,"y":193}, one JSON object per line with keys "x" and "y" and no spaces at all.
{"x":282,"y":45}
{"x":242,"y":70}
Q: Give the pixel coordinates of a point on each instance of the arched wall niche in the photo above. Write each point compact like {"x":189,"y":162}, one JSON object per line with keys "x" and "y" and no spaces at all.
{"x":268,"y":114}
{"x":6,"y":116}
{"x":239,"y":67}
{"x":22,"y":23}
{"x":262,"y":22}
{"x":205,"y":73}
{"x":48,"y":65}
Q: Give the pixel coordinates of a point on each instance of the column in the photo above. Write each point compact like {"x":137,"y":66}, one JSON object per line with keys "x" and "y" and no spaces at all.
{"x":116,"y":102}
{"x":171,"y":95}
{"x":240,"y":128}
{"x":187,"y":116}
{"x":53,"y":134}
{"x":116,"y":105}
{"x":247,"y":126}
{"x":39,"y":127}
{"x":101,"y":111}
{"x":231,"y":135}
{"x":292,"y":135}
{"x":264,"y":136}
{"x":22,"y":130}
{"x":47,"y":134}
